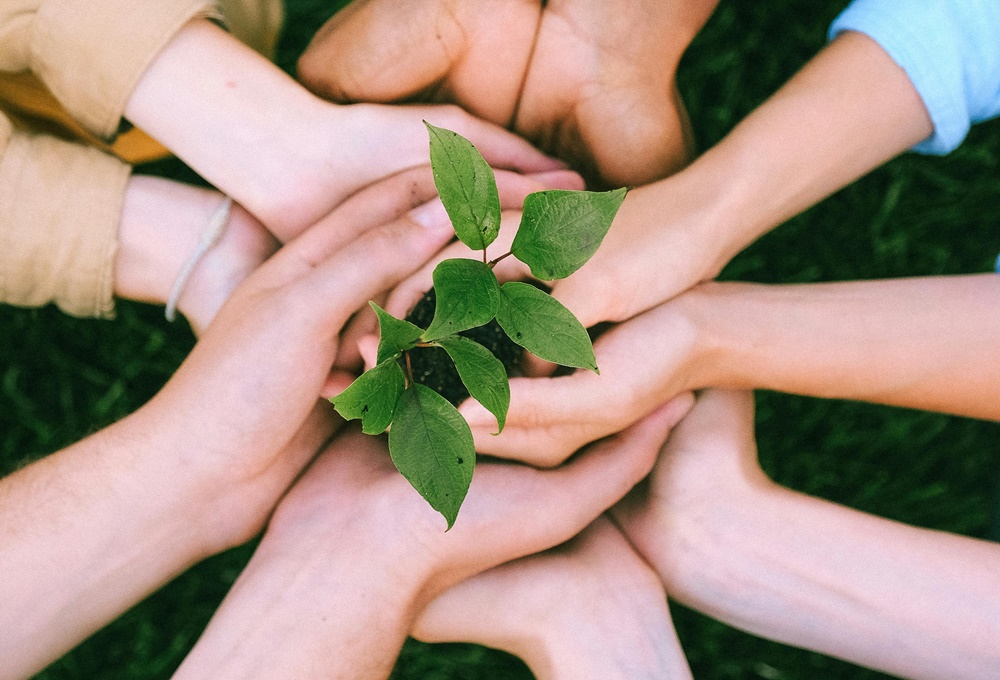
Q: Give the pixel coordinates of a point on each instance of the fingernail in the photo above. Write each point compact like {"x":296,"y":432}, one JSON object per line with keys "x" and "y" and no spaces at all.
{"x":431,"y":215}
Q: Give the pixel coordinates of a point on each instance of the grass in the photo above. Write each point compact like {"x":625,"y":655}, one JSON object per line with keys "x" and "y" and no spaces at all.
{"x":61,"y":378}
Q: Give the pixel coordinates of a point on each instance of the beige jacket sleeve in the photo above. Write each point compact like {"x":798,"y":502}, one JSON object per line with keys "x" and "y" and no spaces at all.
{"x":90,"y":55}
{"x":60,"y":207}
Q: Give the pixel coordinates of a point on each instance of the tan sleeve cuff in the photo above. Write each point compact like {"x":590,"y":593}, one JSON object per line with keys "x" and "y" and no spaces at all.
{"x":92,"y":55}
{"x":60,"y":209}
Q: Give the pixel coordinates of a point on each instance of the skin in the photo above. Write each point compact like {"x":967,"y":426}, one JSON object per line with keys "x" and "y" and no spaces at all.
{"x":288,"y":176}
{"x":585,"y":81}
{"x":916,"y":343}
{"x":906,"y":601}
{"x":352,"y":553}
{"x":88,"y":531}
{"x":590,"y":608}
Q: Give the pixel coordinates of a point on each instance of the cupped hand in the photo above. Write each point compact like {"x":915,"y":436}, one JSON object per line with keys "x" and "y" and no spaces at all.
{"x":590,"y":608}
{"x":587,"y":81}
{"x":511,"y":510}
{"x":252,"y":383}
{"x":707,"y":471}
{"x":645,"y":363}
{"x":352,"y":553}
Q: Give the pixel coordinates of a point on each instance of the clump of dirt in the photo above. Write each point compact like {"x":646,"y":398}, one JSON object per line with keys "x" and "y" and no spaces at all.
{"x":433,"y":367}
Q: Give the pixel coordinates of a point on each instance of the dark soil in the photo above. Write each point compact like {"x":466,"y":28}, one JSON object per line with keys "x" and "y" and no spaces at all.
{"x":433,"y":367}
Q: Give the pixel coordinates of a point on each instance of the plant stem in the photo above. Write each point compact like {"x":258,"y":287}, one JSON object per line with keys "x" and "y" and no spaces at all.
{"x":492,"y":264}
{"x":409,"y":369}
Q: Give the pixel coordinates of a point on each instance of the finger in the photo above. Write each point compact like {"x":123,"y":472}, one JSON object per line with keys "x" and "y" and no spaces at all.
{"x":336,"y":382}
{"x":600,"y":475}
{"x":337,"y":287}
{"x":378,"y":52}
{"x":408,"y":293}
{"x":368,"y":349}
{"x":408,"y":192}
{"x":548,"y":419}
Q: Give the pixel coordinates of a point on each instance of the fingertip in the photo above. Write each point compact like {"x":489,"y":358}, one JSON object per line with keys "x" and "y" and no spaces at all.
{"x":560,"y":179}
{"x":335,"y":383}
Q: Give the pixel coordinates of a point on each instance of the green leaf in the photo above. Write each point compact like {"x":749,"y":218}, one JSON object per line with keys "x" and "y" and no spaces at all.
{"x":467,"y":296}
{"x":483,"y":374}
{"x":539,"y":323}
{"x":395,"y":335}
{"x":373,"y":397}
{"x":431,"y":445}
{"x":561,"y":230}
{"x":467,"y":187}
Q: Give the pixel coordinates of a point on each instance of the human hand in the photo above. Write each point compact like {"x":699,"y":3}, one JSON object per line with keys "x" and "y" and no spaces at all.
{"x":567,"y":76}
{"x":255,"y":377}
{"x":352,"y":553}
{"x":590,"y":608}
{"x":292,"y":175}
{"x":645,"y":362}
{"x":707,"y":472}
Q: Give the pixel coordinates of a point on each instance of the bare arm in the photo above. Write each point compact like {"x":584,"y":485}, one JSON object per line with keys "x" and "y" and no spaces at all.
{"x":282,"y":153}
{"x":89,"y":530}
{"x":729,"y":542}
{"x":850,"y":109}
{"x":921,"y":343}
{"x":354,"y":553}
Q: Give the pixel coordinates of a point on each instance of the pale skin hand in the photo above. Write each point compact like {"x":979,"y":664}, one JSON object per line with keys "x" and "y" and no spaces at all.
{"x":916,"y":343}
{"x":590,"y":608}
{"x":88,"y":531}
{"x":587,"y":81}
{"x":353,"y":553}
{"x":850,"y":109}
{"x":288,"y":175}
{"x":809,"y":573}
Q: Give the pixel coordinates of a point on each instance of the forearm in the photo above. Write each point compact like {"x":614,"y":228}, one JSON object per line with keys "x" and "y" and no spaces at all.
{"x":238,"y":120}
{"x":86,"y":533}
{"x":850,"y":109}
{"x":806,"y":572}
{"x":919,"y":343}
{"x":592,"y":646}
{"x":287,"y":616}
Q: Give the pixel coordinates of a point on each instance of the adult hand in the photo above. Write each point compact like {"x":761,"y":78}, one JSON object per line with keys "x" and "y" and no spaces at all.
{"x":584,"y":80}
{"x":256,"y":375}
{"x":645,"y":363}
{"x":353,"y":553}
{"x":590,"y":608}
{"x":290,"y":175}
{"x":90,"y":530}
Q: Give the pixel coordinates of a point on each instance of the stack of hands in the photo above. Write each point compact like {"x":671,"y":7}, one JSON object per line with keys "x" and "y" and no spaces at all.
{"x":605,"y":494}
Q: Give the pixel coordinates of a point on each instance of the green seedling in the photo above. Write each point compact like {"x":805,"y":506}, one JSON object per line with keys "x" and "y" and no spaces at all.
{"x":429,"y":441}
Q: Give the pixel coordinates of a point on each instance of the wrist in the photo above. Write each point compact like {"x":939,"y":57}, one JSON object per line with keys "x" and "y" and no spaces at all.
{"x":346,"y":609}
{"x":723,"y":330}
{"x":161,"y":227}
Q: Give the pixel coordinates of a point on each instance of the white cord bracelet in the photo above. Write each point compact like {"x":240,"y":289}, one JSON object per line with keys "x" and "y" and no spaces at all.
{"x":213,"y":232}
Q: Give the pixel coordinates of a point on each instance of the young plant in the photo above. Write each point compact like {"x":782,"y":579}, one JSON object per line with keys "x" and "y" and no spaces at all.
{"x":429,"y":441}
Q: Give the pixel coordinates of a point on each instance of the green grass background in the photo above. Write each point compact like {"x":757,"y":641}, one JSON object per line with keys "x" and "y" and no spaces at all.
{"x":62,"y":378}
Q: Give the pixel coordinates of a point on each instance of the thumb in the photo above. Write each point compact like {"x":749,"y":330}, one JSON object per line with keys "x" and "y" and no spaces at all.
{"x":379,"y":51}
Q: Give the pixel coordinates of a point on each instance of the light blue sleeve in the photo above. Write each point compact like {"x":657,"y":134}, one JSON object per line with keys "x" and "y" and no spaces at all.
{"x":950,"y":49}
